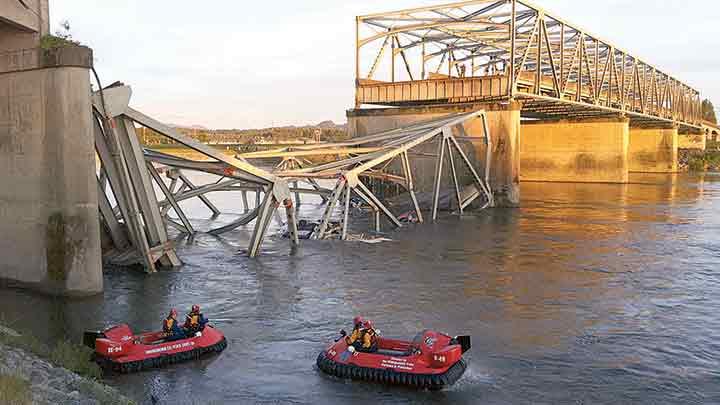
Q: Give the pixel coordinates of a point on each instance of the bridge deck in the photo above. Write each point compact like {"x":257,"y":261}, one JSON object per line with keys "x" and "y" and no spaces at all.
{"x":489,"y":50}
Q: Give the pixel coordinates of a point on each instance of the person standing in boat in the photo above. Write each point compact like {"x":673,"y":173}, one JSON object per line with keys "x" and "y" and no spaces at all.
{"x":171,"y":328}
{"x":194,"y":321}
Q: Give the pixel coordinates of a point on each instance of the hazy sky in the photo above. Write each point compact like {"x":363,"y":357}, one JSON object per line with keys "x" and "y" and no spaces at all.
{"x":250,"y":63}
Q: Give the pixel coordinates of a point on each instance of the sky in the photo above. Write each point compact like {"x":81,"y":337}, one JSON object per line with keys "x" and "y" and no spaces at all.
{"x":252,"y":64}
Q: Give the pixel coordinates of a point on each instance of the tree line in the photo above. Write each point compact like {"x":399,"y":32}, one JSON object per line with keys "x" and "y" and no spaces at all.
{"x":248,"y":136}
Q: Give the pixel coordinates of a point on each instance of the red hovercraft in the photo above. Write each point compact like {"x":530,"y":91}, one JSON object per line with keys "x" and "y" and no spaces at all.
{"x":430,"y":361}
{"x":118,"y":349}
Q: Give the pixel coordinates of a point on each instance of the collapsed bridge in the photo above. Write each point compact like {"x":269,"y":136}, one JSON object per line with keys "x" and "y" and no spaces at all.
{"x":129,"y":176}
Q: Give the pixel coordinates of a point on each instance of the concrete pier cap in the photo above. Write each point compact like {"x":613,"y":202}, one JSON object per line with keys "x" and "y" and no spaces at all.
{"x":503,"y":124}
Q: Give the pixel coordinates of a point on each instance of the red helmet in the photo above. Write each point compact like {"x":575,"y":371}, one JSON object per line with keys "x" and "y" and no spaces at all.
{"x":369,"y":325}
{"x":358,"y":320}
{"x":173,"y":312}
{"x":196,"y":308}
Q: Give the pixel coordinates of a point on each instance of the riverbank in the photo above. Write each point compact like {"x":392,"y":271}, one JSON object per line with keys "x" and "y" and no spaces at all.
{"x":693,"y":160}
{"x":31,"y":373}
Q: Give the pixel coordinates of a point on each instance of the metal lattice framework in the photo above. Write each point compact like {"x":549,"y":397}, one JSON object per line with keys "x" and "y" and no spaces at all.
{"x":372,"y":156}
{"x":486,"y":50}
{"x":135,"y":199}
{"x":129,"y":174}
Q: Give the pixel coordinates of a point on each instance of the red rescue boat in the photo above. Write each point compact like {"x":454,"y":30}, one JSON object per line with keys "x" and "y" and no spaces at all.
{"x":118,"y":349}
{"x":432,"y":361}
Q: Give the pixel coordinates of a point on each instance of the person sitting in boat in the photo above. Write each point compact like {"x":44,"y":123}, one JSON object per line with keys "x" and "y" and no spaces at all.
{"x":354,"y":338}
{"x":171,"y":328}
{"x":194,"y":321}
{"x":368,"y":338}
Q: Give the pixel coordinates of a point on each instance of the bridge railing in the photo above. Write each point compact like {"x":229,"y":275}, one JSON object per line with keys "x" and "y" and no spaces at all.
{"x":459,"y":50}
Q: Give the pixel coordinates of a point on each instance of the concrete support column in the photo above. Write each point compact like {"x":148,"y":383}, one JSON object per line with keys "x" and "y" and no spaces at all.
{"x":695,"y":141}
{"x":583,"y":151}
{"x":653,"y":150}
{"x":504,"y":123}
{"x":48,"y":190}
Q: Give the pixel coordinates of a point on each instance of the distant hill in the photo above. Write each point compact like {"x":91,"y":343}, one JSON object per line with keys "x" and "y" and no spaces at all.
{"x":198,"y":127}
{"x":330,"y":125}
{"x":326,"y":125}
{"x":323,"y":125}
{"x":326,"y":131}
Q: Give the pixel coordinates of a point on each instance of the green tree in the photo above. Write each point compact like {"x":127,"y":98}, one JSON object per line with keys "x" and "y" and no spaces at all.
{"x":708,"y":111}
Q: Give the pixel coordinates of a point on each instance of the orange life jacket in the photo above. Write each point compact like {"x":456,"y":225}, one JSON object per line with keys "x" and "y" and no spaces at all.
{"x":369,"y":338}
{"x":168,"y":325}
{"x":192,"y":320}
{"x":355,"y":336}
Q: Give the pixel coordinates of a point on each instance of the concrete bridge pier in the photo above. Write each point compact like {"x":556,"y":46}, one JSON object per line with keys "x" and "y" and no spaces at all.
{"x":653,"y":150}
{"x":584,"y":151}
{"x":504,"y":125}
{"x":48,"y":190}
{"x":692,"y":140}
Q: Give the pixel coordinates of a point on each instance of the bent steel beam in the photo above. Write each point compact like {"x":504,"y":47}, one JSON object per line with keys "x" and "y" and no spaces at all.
{"x":138,"y":170}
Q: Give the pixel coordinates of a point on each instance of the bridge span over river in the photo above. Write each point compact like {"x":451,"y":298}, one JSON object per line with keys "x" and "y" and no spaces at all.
{"x":564,"y":104}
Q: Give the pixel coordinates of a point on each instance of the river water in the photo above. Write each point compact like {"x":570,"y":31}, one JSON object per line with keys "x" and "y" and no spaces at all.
{"x":588,"y":294}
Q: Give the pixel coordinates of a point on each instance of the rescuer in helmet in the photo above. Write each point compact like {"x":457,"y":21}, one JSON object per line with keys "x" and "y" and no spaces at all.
{"x":354,"y":338}
{"x":171,"y":328}
{"x":194,"y":321}
{"x":368,"y":338}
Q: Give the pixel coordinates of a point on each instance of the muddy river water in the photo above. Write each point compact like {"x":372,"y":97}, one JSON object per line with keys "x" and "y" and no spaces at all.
{"x":588,"y":294}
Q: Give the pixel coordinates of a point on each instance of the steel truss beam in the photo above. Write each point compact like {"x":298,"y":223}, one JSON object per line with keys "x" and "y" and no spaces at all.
{"x":397,"y":144}
{"x":132,"y":170}
{"x":538,"y":53}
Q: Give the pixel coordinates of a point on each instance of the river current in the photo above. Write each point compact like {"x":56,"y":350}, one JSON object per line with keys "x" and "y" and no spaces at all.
{"x":588,"y":294}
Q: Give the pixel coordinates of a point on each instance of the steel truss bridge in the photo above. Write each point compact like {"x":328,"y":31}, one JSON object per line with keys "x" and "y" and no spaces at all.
{"x":489,"y":50}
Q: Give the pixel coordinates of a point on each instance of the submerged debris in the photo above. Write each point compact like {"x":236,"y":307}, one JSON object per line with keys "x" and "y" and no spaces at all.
{"x":368,"y":239}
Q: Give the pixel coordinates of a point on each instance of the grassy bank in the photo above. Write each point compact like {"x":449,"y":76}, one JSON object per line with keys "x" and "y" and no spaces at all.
{"x":701,"y":161}
{"x":73,"y":357}
{"x":15,"y":389}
